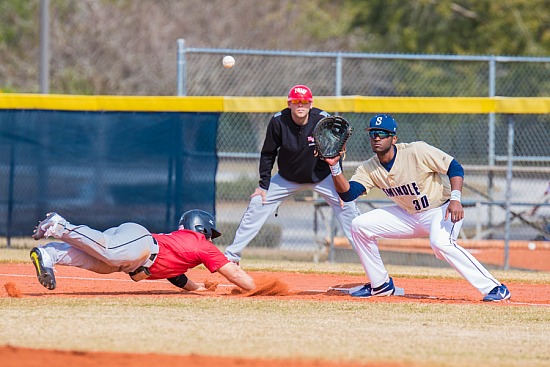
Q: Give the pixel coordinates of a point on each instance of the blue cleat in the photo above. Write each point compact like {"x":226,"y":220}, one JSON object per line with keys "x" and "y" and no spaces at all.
{"x":497,"y":294}
{"x":386,"y":289}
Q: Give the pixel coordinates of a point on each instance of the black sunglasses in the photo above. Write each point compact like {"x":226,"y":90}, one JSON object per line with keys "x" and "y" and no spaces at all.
{"x":380,"y":134}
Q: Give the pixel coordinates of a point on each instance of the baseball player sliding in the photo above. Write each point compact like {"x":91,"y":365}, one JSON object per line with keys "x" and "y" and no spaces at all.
{"x":132,"y":249}
{"x":426,"y":184}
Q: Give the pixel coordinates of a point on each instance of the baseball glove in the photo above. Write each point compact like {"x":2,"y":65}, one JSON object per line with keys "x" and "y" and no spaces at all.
{"x":330,"y":135}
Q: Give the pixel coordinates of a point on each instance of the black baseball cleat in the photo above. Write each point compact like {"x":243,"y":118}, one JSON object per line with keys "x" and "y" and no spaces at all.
{"x":43,"y":264}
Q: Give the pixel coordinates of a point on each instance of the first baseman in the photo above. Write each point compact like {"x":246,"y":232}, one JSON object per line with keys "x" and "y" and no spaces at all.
{"x":132,"y":249}
{"x":426,"y":184}
{"x":289,"y":140}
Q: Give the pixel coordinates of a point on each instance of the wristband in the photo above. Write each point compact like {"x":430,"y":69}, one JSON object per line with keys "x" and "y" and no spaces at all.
{"x":179,"y":281}
{"x":456,"y":195}
{"x":336,"y":169}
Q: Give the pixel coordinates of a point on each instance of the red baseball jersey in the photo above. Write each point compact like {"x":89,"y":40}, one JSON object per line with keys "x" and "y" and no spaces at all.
{"x":182,"y":250}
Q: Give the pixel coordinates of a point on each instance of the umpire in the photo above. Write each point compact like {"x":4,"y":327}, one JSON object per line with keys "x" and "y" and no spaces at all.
{"x":289,"y":139}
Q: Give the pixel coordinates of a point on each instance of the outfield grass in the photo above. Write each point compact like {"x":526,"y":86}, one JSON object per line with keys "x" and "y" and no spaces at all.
{"x":433,"y":334}
{"x":415,"y":333}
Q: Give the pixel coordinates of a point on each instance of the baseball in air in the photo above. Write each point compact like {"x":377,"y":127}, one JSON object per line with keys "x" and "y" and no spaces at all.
{"x":228,"y":62}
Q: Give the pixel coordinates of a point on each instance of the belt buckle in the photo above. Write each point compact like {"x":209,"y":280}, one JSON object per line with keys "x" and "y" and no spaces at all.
{"x":149,"y":262}
{"x":154,"y":253}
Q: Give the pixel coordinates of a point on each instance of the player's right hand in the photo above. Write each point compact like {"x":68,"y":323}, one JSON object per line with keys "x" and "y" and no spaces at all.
{"x":260,"y":191}
{"x":455,"y":211}
{"x":201,"y":289}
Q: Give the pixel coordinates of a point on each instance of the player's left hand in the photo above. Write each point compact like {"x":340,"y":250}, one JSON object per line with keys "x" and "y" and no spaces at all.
{"x":331,"y":161}
{"x":201,"y":289}
{"x":455,"y":211}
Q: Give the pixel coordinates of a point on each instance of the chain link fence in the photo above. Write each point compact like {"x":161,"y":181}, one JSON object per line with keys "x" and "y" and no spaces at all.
{"x":306,"y":228}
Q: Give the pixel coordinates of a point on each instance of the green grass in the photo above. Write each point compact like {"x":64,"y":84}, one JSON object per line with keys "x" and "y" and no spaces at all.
{"x":408,"y":333}
{"x":421,"y":334}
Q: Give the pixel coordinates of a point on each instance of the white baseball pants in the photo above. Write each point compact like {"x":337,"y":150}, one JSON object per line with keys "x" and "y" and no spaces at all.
{"x":395,"y":222}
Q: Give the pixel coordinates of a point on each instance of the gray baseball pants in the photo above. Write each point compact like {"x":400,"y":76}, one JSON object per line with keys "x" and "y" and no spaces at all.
{"x":123,"y":248}
{"x":280,"y":188}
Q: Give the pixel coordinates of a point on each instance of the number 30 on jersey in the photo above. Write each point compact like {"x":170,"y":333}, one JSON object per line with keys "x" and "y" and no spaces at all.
{"x":422,"y":203}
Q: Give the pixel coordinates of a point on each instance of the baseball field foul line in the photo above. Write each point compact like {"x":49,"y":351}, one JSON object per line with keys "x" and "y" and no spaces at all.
{"x":100,"y":279}
{"x":398,"y":291}
{"x":82,"y":278}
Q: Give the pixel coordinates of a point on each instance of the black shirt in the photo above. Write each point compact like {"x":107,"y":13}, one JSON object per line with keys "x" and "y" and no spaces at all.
{"x":293,"y":146}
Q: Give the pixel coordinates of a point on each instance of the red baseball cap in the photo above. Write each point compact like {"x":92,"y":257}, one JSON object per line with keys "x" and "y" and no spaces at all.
{"x":300,"y":92}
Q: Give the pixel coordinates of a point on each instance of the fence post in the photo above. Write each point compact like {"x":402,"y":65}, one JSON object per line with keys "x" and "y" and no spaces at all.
{"x":338,"y":79}
{"x":182,"y":77}
{"x":509,"y":191}
{"x":10,"y":195}
{"x":44,"y":52}
{"x":491,"y":142}
{"x":479,"y":213}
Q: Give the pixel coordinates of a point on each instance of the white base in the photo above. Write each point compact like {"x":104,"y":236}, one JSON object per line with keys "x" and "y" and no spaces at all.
{"x":398,"y":291}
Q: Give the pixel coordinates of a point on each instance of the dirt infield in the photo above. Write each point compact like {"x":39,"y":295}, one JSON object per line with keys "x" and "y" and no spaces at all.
{"x":19,"y":357}
{"x":19,"y":281}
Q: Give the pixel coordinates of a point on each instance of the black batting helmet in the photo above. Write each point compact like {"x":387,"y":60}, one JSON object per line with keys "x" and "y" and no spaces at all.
{"x":200,"y":221}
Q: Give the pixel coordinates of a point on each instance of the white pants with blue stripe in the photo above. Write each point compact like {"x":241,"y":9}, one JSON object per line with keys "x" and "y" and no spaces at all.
{"x":395,"y":222}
